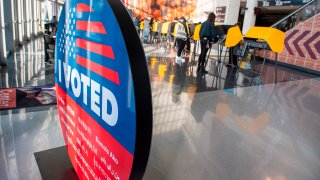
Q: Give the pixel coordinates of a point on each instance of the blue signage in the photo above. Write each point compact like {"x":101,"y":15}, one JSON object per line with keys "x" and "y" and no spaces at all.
{"x":103,"y":90}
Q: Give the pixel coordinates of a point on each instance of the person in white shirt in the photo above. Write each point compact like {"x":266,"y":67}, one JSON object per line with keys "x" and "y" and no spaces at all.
{"x":181,"y":34}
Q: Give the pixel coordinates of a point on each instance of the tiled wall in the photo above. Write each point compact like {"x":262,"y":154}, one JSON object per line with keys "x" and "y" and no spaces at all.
{"x":302,"y":45}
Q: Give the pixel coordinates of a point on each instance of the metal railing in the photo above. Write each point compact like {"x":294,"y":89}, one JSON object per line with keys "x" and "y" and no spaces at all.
{"x":291,"y":20}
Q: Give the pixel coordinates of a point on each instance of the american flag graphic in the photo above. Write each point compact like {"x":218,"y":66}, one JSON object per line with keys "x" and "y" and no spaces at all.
{"x":69,"y":43}
{"x":97,"y":113}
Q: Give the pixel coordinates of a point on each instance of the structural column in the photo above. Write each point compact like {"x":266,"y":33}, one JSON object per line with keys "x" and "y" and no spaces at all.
{"x":15,"y":23}
{"x":8,"y":21}
{"x":249,"y":17}
{"x":3,"y":48}
{"x":203,"y":7}
{"x":24,"y":20}
{"x":232,"y":14}
{"x":56,"y":8}
{"x":20,"y":21}
{"x":232,"y":10}
{"x":28,"y":19}
{"x":6,"y":25}
{"x":33,"y":9}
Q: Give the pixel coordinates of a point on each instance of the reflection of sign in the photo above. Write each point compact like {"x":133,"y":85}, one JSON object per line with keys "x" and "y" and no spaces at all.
{"x":103,"y":90}
{"x":221,"y":14}
{"x":7,"y":98}
{"x":27,"y":97}
{"x":266,"y":3}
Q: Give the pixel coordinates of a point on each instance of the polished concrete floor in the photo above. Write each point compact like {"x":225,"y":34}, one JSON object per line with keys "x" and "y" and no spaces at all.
{"x":228,"y":125}
{"x":231,"y":127}
{"x":260,"y":132}
{"x":24,"y":132}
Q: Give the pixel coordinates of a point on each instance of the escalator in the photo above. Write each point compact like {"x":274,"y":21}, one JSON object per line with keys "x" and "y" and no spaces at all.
{"x":266,"y":16}
{"x":270,"y":14}
{"x":305,"y":12}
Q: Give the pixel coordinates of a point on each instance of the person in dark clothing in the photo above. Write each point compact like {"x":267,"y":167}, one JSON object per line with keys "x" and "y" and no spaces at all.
{"x":137,"y":24}
{"x":54,"y":21}
{"x":208,"y":35}
{"x":233,"y":58}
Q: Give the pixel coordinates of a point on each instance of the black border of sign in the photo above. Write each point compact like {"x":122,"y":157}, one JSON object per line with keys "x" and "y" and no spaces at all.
{"x":142,"y":88}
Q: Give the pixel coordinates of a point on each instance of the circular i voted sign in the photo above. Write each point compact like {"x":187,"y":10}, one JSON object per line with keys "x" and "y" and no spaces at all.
{"x":103,"y":90}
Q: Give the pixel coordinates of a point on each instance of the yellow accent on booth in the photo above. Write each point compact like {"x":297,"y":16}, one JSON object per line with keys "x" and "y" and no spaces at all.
{"x":141,"y":25}
{"x":274,"y":37}
{"x":188,"y":29}
{"x":171,"y":79}
{"x":234,"y":36}
{"x":165,"y":28}
{"x":162,"y":69}
{"x":196,"y":34}
{"x":154,"y":27}
{"x":153,"y":62}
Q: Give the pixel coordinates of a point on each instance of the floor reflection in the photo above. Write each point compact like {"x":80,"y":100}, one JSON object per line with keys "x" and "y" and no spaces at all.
{"x":232,"y":125}
{"x":163,"y":68}
{"x":243,"y":133}
{"x":26,"y":67}
{"x":22,"y":133}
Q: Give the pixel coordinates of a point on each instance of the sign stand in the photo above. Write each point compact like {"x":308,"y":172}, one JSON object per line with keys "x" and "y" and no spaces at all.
{"x":55,"y":164}
{"x":103,"y":90}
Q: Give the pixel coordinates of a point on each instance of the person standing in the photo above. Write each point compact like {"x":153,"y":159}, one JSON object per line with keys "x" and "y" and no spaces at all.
{"x":182,"y":34}
{"x":171,"y":30}
{"x":146,"y":30}
{"x":137,"y":23}
{"x":54,"y":21}
{"x":208,"y":35}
